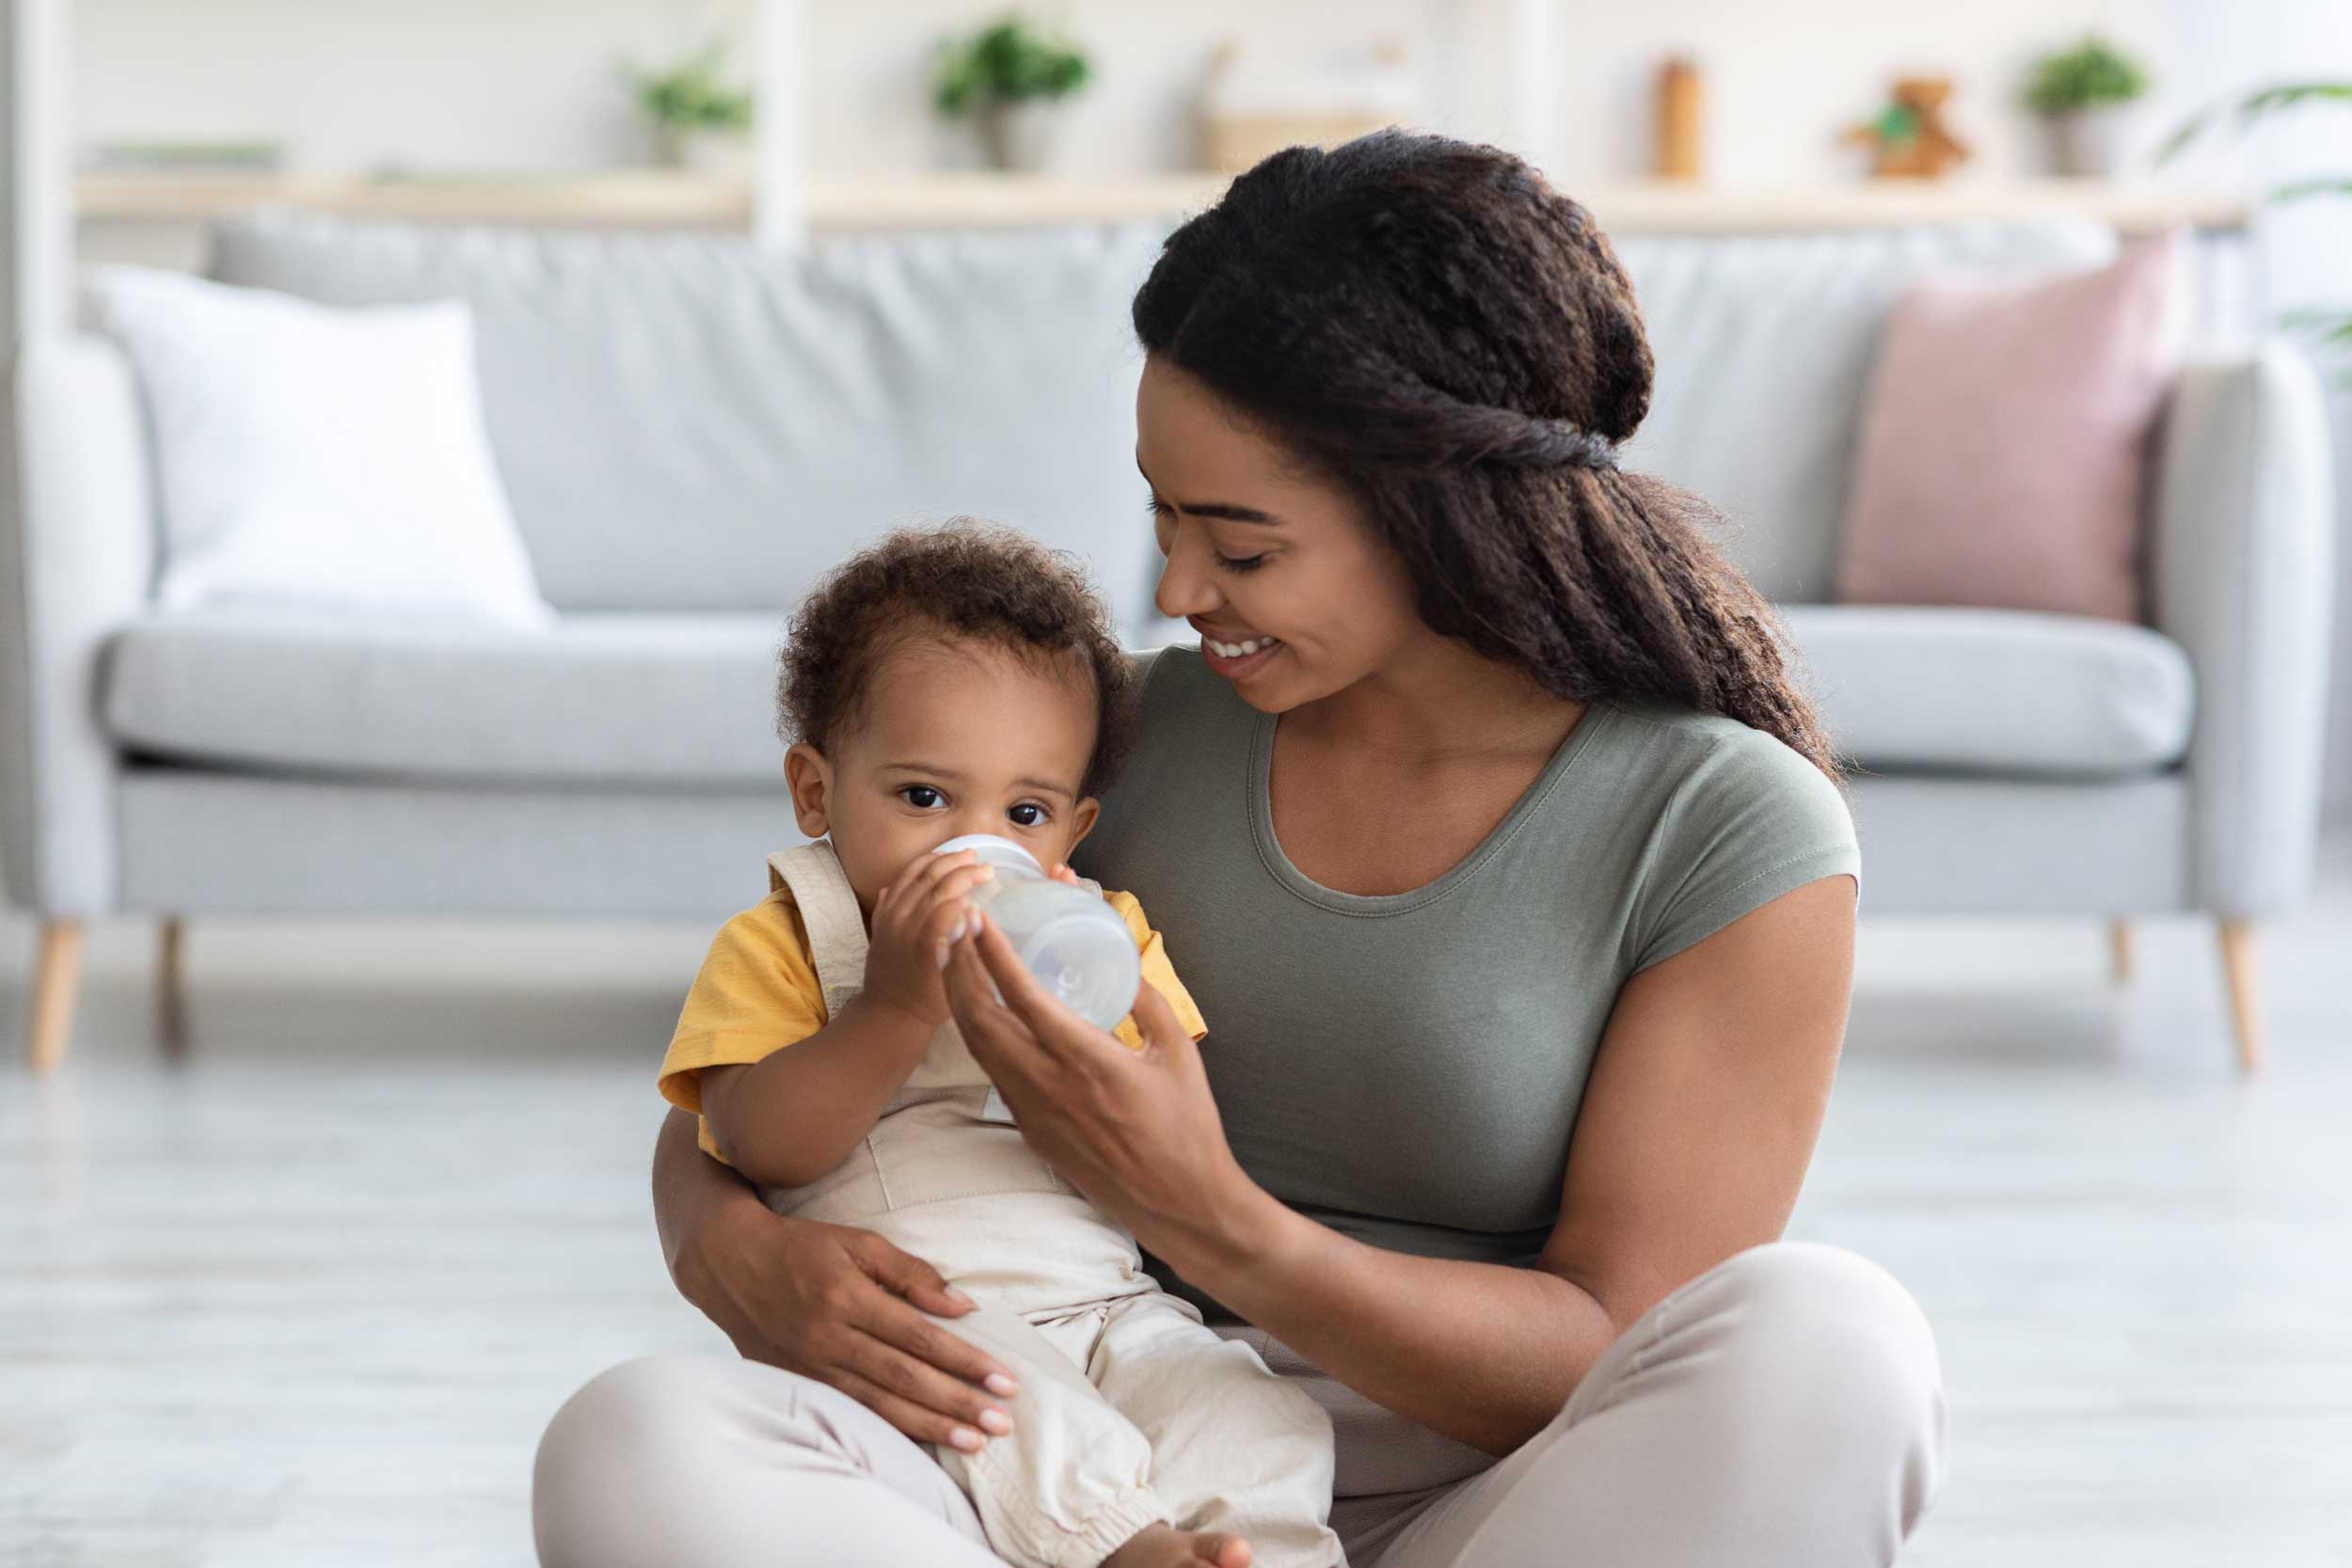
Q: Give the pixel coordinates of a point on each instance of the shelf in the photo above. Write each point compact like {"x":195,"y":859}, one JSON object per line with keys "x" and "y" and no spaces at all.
{"x":657,"y":199}
{"x":1664,"y":208}
{"x":648,"y":199}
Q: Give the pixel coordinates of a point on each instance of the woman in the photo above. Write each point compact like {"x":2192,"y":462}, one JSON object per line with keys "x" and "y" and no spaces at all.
{"x":1509,"y":869}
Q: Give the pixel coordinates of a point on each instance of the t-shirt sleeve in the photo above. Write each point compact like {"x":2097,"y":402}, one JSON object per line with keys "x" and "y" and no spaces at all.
{"x":1157,"y":973}
{"x":1754,"y":819}
{"x":758,"y":993}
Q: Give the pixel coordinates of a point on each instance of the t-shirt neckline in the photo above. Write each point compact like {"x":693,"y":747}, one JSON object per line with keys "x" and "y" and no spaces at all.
{"x":1277,"y":863}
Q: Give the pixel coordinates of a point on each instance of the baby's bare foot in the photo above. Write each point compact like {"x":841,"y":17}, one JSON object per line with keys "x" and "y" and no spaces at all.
{"x":1164,"y":1547}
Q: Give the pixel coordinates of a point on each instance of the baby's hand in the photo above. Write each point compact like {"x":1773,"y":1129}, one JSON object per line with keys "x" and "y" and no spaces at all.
{"x":1061,"y":873}
{"x":915,"y":919}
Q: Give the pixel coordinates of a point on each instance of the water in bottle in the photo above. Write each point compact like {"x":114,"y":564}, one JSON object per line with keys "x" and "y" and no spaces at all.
{"x":1076,"y":945}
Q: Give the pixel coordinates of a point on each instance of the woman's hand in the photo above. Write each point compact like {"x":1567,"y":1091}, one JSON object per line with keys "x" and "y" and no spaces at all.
{"x":1136,"y":1132}
{"x":828,"y":1302}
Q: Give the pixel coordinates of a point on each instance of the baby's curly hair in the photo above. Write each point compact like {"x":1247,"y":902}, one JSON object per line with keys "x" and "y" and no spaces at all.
{"x":966,"y":579}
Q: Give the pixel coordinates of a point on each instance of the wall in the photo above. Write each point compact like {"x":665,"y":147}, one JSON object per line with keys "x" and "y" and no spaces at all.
{"x":529,"y":83}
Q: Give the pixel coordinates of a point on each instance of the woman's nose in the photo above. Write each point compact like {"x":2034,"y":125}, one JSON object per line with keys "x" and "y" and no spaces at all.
{"x":1186,"y":585}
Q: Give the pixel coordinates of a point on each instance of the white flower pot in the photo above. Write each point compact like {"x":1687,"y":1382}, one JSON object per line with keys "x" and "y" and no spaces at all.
{"x":1020,"y":137}
{"x":2092,"y":143}
{"x":704,"y":151}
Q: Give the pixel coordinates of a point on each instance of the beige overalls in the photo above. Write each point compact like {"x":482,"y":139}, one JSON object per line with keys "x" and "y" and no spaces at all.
{"x":1131,"y":1412}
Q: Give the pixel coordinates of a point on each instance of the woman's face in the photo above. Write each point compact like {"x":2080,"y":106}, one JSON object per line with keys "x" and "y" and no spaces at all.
{"x":1293,"y":592}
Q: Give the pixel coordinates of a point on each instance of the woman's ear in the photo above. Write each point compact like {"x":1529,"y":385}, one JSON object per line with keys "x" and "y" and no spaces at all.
{"x":809,"y":777}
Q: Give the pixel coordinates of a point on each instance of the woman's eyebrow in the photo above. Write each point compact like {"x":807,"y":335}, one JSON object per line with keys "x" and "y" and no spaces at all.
{"x":1225,"y":510}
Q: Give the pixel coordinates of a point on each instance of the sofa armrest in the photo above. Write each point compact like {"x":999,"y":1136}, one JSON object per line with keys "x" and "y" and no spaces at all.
{"x":77,"y":558}
{"x":2239,"y":574}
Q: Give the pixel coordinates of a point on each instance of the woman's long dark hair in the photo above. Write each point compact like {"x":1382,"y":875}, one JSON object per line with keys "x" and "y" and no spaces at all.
{"x":1438,"y":329}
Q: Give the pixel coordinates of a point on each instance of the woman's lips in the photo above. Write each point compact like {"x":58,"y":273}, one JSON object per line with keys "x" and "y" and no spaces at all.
{"x":1238,"y":660}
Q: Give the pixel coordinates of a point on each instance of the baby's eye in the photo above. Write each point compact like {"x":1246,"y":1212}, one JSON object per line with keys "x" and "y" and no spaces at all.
{"x":922,"y":796}
{"x":1028,"y":813}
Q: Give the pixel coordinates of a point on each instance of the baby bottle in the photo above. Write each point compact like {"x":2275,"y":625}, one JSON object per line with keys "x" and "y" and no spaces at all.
{"x":1076,"y":945}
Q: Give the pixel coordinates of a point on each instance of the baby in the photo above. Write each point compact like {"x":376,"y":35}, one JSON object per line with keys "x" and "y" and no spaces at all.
{"x":945,"y":683}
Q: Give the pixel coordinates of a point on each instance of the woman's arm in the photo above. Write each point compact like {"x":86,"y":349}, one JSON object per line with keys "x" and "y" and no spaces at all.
{"x":1695,"y":1131}
{"x":830,"y":1302}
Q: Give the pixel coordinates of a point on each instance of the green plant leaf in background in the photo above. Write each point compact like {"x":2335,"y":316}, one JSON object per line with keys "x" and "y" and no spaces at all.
{"x":1010,"y":60}
{"x":2093,"y":73}
{"x":693,"y":95}
{"x":2254,"y":107}
{"x":2332,"y":323}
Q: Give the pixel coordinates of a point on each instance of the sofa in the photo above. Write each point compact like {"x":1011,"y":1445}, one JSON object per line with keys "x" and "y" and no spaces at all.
{"x":690,"y":429}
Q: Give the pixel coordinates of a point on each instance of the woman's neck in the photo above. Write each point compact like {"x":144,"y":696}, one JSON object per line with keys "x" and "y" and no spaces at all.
{"x":1436,"y":699}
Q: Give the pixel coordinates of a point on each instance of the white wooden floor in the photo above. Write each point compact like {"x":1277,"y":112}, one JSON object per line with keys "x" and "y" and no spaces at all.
{"x":306,"y":1296}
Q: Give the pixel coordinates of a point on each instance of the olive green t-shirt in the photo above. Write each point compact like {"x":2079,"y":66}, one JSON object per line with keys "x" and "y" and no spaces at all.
{"x":1407,"y":1068}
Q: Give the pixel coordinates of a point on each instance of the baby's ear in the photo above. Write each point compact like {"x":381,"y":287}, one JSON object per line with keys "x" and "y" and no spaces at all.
{"x":809,"y":777}
{"x":1082,"y":818}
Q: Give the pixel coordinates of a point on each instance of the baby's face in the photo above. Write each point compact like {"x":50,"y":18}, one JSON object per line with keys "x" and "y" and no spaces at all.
{"x":955,"y":737}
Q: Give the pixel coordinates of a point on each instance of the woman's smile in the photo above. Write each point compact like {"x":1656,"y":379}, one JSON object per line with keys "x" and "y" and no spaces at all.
{"x":1237,"y":659}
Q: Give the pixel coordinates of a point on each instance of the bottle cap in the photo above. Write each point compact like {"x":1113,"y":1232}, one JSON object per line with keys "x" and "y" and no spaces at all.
{"x":993,"y":851}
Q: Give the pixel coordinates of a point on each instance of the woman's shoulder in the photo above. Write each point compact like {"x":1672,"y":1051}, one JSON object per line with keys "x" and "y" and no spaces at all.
{"x":1708,"y":758}
{"x":1179,"y":701}
{"x":1737,"y":816}
{"x":1175,"y":674}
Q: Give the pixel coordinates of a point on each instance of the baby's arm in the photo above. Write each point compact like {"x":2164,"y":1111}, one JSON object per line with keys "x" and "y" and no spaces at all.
{"x":790,"y":1117}
{"x":787,"y":1118}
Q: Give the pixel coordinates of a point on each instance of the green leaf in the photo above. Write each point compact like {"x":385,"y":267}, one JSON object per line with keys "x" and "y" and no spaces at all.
{"x":693,"y":94}
{"x":2302,"y":190}
{"x":1008,"y":61}
{"x":2093,"y":72}
{"x":2252,"y":107}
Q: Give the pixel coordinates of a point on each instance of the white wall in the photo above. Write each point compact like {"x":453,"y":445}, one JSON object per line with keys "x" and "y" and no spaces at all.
{"x":528,"y":84}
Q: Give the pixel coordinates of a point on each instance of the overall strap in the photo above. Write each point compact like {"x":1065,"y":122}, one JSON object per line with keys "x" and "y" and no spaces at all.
{"x":837,"y":930}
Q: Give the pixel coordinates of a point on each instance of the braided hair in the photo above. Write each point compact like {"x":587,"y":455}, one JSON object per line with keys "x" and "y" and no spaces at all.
{"x":1431,"y":325}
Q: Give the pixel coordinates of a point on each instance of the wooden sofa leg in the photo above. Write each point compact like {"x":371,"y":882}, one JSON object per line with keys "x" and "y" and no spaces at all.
{"x":2120,"y":950}
{"x":2242,"y":970}
{"x":56,"y":976}
{"x":171,"y":1012}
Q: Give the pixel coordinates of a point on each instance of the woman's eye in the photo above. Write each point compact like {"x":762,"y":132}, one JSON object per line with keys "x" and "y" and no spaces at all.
{"x":1027,"y":815}
{"x":922,"y":796}
{"x":1241,"y":562}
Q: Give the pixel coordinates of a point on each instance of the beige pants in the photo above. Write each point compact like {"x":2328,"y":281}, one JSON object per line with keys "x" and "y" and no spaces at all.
{"x":1131,"y":1412}
{"x":1781,"y":1411}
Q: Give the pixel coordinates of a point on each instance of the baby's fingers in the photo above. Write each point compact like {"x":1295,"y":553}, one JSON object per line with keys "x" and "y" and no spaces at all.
{"x":945,"y":922}
{"x":916,"y":881}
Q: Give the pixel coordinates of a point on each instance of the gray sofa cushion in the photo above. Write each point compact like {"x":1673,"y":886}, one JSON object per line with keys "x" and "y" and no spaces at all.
{"x":690,"y":423}
{"x":688,"y":700}
{"x":2001,"y":691}
{"x":613,"y":700}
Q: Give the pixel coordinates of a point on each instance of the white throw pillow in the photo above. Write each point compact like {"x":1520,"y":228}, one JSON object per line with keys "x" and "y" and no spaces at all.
{"x":314,"y":458}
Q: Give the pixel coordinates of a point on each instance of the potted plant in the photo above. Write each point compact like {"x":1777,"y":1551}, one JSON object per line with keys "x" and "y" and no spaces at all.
{"x":700,"y":120}
{"x":2084,"y":96}
{"x":1010,"y":79}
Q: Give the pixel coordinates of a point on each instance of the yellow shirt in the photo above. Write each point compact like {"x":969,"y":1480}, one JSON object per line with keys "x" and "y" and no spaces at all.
{"x":758,"y":993}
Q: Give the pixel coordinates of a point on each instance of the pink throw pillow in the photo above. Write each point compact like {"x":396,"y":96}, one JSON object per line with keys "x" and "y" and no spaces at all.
{"x":2003,"y":440}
